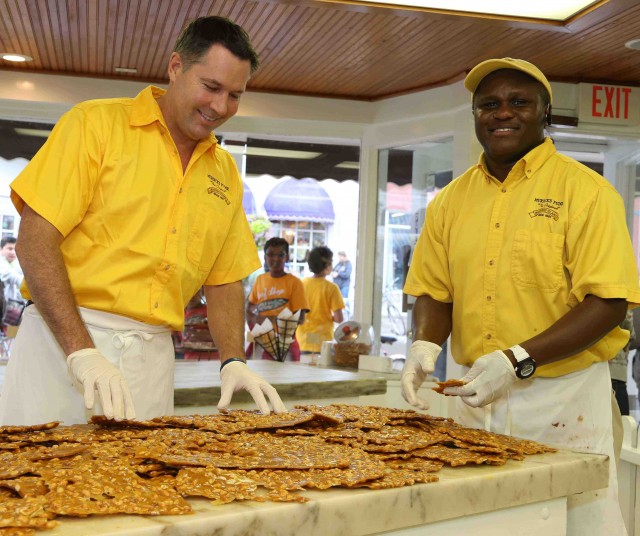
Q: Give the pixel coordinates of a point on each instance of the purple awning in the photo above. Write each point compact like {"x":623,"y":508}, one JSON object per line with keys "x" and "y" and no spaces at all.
{"x":299,"y":200}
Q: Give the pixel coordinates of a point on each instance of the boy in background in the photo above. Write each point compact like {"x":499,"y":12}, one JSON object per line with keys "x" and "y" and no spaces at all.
{"x":325,"y":302}
{"x":275,"y":290}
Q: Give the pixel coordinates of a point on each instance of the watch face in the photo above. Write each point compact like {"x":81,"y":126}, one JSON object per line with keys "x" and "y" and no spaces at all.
{"x":527,"y":369}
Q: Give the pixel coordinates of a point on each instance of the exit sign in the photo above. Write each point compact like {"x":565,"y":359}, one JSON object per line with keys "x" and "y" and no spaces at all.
{"x":604,"y":103}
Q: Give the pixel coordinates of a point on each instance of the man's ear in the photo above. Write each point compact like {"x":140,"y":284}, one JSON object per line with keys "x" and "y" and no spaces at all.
{"x":175,"y":65}
{"x":548,"y":115}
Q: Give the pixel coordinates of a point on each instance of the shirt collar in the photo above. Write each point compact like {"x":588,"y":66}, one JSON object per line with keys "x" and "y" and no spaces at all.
{"x":529,"y":163}
{"x":145,"y":111}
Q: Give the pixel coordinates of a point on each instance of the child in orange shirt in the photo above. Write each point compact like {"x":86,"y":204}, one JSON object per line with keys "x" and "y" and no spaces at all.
{"x":275,"y":290}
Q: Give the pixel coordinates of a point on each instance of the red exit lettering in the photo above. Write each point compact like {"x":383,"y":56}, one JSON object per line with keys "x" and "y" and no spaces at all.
{"x":610,"y":101}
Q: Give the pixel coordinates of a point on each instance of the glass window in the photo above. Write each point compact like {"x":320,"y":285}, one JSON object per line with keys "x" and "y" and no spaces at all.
{"x":408,"y":179}
{"x":302,"y":236}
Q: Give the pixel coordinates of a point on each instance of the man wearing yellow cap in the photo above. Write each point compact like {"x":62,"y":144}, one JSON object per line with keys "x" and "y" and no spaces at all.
{"x":526,"y":261}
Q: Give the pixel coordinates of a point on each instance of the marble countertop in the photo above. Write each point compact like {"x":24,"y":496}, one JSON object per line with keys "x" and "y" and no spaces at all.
{"x":197,"y":383}
{"x":461,"y":491}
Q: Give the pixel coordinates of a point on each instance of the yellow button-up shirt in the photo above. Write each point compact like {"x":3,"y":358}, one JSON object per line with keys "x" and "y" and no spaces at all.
{"x":516,"y":256}
{"x":140,"y":236}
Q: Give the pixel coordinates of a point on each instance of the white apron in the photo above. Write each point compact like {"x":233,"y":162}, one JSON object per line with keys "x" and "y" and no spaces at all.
{"x":39,"y":388}
{"x":570,"y":412}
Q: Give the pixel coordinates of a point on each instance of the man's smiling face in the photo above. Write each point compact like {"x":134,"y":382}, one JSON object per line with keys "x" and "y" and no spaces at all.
{"x":206,"y":94}
{"x":510,"y":113}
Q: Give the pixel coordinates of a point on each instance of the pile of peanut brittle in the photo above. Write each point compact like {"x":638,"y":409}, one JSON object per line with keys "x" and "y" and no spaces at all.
{"x":150,"y":467}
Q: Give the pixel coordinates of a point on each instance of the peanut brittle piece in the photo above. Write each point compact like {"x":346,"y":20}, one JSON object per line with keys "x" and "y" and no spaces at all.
{"x":13,"y":445}
{"x":362,"y":468}
{"x":16,"y":531}
{"x":59,"y":451}
{"x":422,"y":465}
{"x":242,"y":420}
{"x":455,"y":457}
{"x":476,"y":448}
{"x":14,"y":465}
{"x":400,"y":439}
{"x":29,"y":512}
{"x":107,"y":487}
{"x":28,"y":428}
{"x":222,"y":485}
{"x":258,"y":451}
{"x":364,"y":416}
{"x":491,"y":439}
{"x":396,"y":478}
{"x":26,"y":486}
{"x":101,"y":420}
{"x":448,"y":383}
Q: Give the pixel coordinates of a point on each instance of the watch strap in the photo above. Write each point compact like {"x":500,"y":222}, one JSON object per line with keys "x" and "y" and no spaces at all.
{"x":519,"y":353}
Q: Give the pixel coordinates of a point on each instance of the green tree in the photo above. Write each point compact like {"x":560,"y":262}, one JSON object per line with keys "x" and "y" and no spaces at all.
{"x":259,"y":226}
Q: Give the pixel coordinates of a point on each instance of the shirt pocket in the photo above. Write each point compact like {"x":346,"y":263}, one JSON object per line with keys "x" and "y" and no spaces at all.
{"x":206,"y":236}
{"x":536,"y":260}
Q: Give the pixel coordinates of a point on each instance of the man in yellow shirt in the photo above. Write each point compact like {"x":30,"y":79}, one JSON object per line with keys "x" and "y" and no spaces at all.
{"x":526,"y":261}
{"x":127,"y":210}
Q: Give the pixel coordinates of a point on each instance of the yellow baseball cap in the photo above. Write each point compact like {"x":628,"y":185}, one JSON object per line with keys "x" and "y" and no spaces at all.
{"x":477,"y":74}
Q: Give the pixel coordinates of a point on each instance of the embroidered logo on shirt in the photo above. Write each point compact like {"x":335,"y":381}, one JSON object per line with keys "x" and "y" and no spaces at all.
{"x":219,"y":189}
{"x":547,"y":208}
{"x":270,"y":305}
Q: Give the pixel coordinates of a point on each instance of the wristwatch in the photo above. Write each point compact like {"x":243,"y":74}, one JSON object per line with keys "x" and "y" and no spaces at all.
{"x":525,"y":365}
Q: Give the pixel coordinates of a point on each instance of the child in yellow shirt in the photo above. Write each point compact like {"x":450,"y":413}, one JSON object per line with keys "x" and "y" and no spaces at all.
{"x":325,"y":302}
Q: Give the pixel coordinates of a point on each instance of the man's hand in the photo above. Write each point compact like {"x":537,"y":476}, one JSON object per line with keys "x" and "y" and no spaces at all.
{"x":237,"y":376}
{"x":93,"y":371}
{"x":489,"y":378}
{"x":421,"y":362}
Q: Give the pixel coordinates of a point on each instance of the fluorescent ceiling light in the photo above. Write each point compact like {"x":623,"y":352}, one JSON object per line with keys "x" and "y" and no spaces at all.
{"x":11,"y":56}
{"x":33,"y":132}
{"x":125,"y":70}
{"x":274,"y":153}
{"x":348,"y":165}
{"x":557,"y":10}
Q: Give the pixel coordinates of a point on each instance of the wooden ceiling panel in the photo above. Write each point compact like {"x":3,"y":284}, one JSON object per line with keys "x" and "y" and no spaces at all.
{"x":312,"y":47}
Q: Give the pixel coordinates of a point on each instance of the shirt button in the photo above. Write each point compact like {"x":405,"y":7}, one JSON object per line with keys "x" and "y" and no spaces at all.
{"x":489,"y":336}
{"x":155,"y":305}
{"x":180,"y":191}
{"x":504,"y":190}
{"x":488,"y":298}
{"x":491,"y":262}
{"x":167,"y":266}
{"x":174,"y":230}
{"x":497,"y":226}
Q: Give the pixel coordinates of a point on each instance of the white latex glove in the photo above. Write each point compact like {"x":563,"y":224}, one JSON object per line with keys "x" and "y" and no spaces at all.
{"x":489,"y":378}
{"x":90,"y":368}
{"x":237,"y":376}
{"x":420,"y":363}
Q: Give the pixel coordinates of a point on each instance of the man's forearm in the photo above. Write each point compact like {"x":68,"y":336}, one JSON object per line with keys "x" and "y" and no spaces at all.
{"x":576,"y":331}
{"x":225,"y":314}
{"x":431,"y":320}
{"x":38,"y":248}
